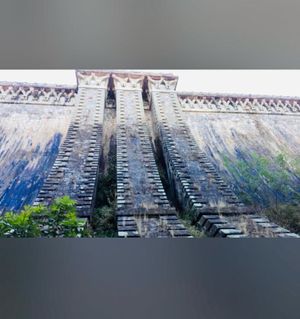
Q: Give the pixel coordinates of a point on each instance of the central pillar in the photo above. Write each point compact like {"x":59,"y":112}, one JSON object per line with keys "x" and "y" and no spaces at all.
{"x":142,"y":205}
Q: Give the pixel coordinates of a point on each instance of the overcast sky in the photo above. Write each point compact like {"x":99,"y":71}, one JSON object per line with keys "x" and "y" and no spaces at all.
{"x":268,"y":82}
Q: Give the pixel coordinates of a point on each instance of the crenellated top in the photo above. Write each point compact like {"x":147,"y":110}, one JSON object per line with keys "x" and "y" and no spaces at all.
{"x":92,"y":78}
{"x":162,"y":82}
{"x":44,"y":94}
{"x":128,"y":81}
{"x":221,"y":103}
{"x":24,"y":93}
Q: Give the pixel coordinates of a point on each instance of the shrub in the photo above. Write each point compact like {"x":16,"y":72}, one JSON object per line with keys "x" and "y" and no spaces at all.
{"x":57,"y":220}
{"x":72,"y":226}
{"x":104,"y":222}
{"x":19,"y":225}
{"x":103,"y":219}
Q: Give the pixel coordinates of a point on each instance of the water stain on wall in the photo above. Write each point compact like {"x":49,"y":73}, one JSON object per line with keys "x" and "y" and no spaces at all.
{"x":30,"y":136}
{"x":240,"y":136}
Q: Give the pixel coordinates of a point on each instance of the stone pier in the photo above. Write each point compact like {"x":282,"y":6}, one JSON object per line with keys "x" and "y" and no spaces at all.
{"x":75,"y":170}
{"x":143,"y":209}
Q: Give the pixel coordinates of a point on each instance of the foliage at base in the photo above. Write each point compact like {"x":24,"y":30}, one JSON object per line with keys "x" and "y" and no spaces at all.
{"x":103,"y":219}
{"x":104,"y":222}
{"x":189,"y":219}
{"x":57,"y":220}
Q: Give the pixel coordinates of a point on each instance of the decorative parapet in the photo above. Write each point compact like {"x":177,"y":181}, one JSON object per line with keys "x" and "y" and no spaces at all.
{"x":24,"y":93}
{"x":92,"y":79}
{"x":215,"y":103}
{"x":162,"y":82}
{"x":128,"y":81}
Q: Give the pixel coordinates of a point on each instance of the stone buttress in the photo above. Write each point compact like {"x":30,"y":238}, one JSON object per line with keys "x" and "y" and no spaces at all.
{"x":75,"y":170}
{"x":143,"y":209}
{"x":198,"y":185}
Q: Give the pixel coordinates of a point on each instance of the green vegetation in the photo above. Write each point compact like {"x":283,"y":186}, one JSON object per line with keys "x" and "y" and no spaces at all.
{"x":107,"y":184}
{"x":266,"y":185}
{"x":286,"y":215}
{"x":192,"y":229}
{"x":57,"y":220}
{"x":104,"y":222}
{"x":189,"y":219}
{"x":103,"y":219}
{"x":262,"y":180}
{"x":60,"y":220}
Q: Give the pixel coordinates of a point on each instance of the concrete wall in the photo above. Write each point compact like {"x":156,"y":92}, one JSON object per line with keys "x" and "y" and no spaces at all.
{"x":54,"y":140}
{"x":30,"y":136}
{"x":75,"y":170}
{"x":239,"y":136}
{"x":142,"y":205}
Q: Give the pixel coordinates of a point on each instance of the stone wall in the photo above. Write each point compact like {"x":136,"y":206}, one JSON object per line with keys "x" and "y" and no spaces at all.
{"x":75,"y":170}
{"x":53,"y":144}
{"x":237,"y":136}
{"x":197,"y":180}
{"x":198,"y":185}
{"x":142,"y":206}
{"x":30,"y":137}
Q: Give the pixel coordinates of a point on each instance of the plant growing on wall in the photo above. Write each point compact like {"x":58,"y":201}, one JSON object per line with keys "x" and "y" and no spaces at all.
{"x":259,"y":174}
{"x":286,"y":215}
{"x":103,"y":219}
{"x":249,"y":183}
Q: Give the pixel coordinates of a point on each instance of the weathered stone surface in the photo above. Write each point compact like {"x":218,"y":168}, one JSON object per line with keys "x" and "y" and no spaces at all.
{"x":136,"y":167}
{"x":77,"y":179}
{"x":239,"y":136}
{"x":30,"y":137}
{"x":22,"y":93}
{"x":52,"y":140}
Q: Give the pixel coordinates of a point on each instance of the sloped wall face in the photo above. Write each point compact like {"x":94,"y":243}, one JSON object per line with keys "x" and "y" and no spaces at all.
{"x":246,"y":146}
{"x":30,"y":136}
{"x":221,"y":155}
{"x":76,"y":167}
{"x":143,"y":209}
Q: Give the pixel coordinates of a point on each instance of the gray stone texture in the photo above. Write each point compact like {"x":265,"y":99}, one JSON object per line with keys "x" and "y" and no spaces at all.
{"x":52,"y":142}
{"x":75,"y":170}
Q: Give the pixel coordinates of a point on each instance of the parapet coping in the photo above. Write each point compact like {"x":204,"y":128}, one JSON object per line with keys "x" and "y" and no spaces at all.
{"x":39,"y":85}
{"x":125,"y":72}
{"x":184,"y":94}
{"x":180,"y":94}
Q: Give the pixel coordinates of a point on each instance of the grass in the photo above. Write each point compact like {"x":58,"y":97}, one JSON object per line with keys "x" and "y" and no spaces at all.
{"x":190,"y":222}
{"x":287,"y":216}
{"x":192,"y":229}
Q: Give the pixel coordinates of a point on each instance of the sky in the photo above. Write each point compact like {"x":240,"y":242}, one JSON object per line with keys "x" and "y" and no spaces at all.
{"x":262,"y":82}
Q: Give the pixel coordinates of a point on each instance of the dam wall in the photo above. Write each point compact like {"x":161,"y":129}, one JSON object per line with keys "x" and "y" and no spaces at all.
{"x":235,"y":130}
{"x":33,"y":124}
{"x":56,"y":141}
